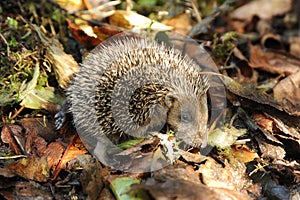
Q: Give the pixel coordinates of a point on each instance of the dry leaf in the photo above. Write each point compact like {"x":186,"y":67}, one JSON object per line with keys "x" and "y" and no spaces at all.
{"x":74,"y":150}
{"x":287,"y":92}
{"x":243,"y":153}
{"x":87,"y":41}
{"x":229,"y":176}
{"x":32,"y":168}
{"x":265,"y":9}
{"x":181,"y":24}
{"x":272,"y":61}
{"x":8,"y":134}
{"x":91,"y":179}
{"x":64,"y":64}
{"x":70,"y":5}
{"x":294,"y":46}
{"x":186,"y":190}
{"x":130,"y":20}
{"x":271,"y":151}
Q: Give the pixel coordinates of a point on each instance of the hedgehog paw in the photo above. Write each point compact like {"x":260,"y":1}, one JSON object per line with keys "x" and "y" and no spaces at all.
{"x":60,"y":119}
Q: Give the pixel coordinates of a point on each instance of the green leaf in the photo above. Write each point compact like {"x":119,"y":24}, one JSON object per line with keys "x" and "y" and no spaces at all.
{"x":130,"y":143}
{"x":33,"y":96}
{"x":147,"y":3}
{"x":12,"y":23}
{"x":121,"y":186}
{"x":37,"y":97}
{"x":225,"y":136}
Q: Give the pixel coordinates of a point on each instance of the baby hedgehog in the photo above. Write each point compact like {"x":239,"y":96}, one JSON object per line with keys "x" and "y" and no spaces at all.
{"x":132,"y":86}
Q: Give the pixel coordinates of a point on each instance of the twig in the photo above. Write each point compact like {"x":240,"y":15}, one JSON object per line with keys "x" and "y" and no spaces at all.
{"x":7,"y":46}
{"x":196,"y":10}
{"x":202,"y":26}
{"x":12,"y":157}
{"x":16,"y":113}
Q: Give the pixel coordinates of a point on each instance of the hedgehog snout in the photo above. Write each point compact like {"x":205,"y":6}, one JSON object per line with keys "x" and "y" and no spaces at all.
{"x":187,"y":117}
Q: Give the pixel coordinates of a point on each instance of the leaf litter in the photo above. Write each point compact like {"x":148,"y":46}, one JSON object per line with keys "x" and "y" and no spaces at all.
{"x":255,"y":151}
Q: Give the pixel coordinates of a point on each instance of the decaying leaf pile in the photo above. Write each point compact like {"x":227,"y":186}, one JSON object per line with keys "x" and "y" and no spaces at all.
{"x":255,"y":46}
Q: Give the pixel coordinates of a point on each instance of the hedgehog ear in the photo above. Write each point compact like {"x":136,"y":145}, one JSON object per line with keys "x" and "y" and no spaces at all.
{"x":169,"y":100}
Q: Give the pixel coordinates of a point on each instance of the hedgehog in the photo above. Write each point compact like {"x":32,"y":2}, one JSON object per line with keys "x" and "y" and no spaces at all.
{"x":132,"y":86}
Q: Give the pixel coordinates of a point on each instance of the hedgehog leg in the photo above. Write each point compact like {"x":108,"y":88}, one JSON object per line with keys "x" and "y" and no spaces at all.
{"x":61,"y":116}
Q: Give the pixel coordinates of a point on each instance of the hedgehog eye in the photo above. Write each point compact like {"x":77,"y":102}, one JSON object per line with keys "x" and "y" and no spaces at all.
{"x":186,"y":117}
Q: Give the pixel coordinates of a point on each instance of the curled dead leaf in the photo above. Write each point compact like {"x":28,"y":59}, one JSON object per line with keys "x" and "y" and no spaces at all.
{"x":287,"y":92}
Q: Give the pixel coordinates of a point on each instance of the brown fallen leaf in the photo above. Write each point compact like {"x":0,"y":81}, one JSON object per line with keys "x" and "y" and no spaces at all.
{"x":178,"y":171}
{"x":272,"y":61}
{"x":254,"y":127}
{"x":42,"y":127}
{"x":89,"y":42}
{"x":287,"y":170}
{"x":64,"y":64}
{"x":37,"y":132}
{"x":104,"y":32}
{"x":144,"y":156}
{"x":294,"y":43}
{"x":181,"y":24}
{"x":287,"y":92}
{"x":91,"y":179}
{"x":74,"y":150}
{"x":6,"y":173}
{"x":32,"y":168}
{"x":250,"y":93}
{"x":31,"y":190}
{"x":231,"y":176}
{"x":287,"y":130}
{"x":106,"y":194}
{"x":243,"y":153}
{"x":8,"y":134}
{"x":193,"y":157}
{"x":186,"y":190}
{"x":271,"y":151}
{"x":265,"y":9}
{"x":275,"y":127}
{"x":53,"y":153}
{"x":245,"y":73}
{"x":265,"y":123}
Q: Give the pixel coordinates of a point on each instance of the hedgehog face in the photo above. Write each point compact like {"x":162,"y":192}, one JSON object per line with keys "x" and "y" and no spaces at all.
{"x":188,"y":116}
